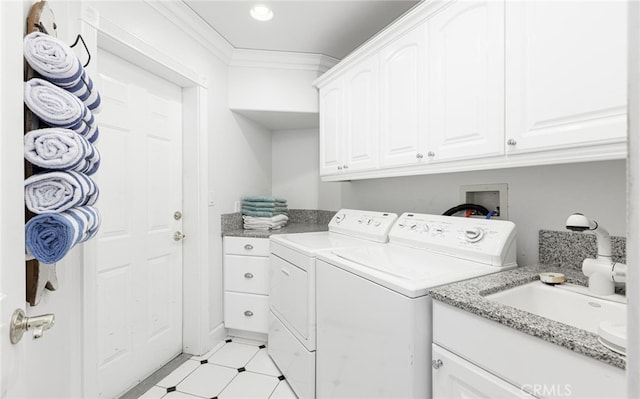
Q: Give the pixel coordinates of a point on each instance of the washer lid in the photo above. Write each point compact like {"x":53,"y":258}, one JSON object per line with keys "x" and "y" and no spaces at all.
{"x":310,"y":243}
{"x":408,"y":271}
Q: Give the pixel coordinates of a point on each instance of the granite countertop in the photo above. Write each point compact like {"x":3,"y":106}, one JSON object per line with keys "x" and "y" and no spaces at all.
{"x":288,"y":229}
{"x":469,"y":296}
{"x":300,"y":221}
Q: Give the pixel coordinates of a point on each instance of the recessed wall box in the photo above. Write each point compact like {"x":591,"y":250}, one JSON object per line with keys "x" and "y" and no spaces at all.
{"x":491,"y":196}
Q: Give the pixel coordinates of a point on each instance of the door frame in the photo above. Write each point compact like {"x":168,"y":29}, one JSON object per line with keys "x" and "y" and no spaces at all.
{"x":99,"y":32}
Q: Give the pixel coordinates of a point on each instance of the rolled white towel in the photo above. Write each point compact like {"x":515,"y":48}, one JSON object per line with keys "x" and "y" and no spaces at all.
{"x":260,"y":220}
{"x":55,"y":61}
{"x":59,"y":191}
{"x":58,"y":108}
{"x":61,"y":149}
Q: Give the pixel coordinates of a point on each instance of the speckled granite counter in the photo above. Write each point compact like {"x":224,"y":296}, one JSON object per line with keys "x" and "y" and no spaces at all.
{"x":300,"y":221}
{"x":469,"y":295}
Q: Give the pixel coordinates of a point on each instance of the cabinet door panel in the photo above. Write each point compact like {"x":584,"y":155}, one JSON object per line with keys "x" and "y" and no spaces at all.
{"x":466,"y":75}
{"x":565,"y":73}
{"x":331,"y":128}
{"x":403,"y":99}
{"x":457,"y":378}
{"x":361,"y":119}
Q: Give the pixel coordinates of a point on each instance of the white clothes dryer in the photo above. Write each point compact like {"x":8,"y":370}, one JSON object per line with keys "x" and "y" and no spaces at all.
{"x":292,"y":306}
{"x":374,"y":317}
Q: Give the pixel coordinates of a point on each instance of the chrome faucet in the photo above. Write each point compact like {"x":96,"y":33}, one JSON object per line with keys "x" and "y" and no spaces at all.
{"x":603,"y":272}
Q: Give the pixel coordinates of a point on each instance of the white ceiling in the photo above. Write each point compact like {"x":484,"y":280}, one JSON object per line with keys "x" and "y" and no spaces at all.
{"x":329,"y":27}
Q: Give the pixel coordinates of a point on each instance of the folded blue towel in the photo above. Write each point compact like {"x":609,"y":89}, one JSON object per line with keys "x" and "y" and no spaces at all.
{"x":58,"y":191}
{"x":50,"y":236}
{"x":55,"y":61}
{"x":263,"y":198}
{"x":61,"y":149}
{"x":58,"y":108}
{"x":264,"y":204}
{"x":265,"y":208}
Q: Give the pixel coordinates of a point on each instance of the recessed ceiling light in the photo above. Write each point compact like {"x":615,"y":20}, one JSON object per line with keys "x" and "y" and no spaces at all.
{"x":261,"y":12}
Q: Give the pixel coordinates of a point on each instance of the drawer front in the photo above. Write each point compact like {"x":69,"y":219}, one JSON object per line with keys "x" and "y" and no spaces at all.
{"x":246,"y":312}
{"x":246,"y":246}
{"x":290,"y":294}
{"x":248,"y":274}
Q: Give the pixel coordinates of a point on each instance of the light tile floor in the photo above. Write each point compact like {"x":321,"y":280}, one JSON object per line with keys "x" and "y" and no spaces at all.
{"x":238,"y":368}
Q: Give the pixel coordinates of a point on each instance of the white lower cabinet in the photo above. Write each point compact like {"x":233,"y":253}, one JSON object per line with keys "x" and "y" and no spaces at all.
{"x":454,"y":377}
{"x":246,"y":284}
{"x":474,"y":357}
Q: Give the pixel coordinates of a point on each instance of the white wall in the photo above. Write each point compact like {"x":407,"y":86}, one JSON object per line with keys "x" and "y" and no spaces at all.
{"x":539,"y":197}
{"x":295,"y":167}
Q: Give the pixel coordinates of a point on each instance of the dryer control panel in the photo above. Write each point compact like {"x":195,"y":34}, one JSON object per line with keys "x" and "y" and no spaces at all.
{"x":369,"y":225}
{"x":492,"y":242}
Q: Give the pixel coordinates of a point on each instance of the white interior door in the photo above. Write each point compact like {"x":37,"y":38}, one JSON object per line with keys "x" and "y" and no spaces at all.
{"x":136,"y":313}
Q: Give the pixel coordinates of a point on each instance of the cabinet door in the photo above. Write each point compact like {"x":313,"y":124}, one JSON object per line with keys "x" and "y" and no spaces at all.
{"x":361,"y":116}
{"x":331,"y":128}
{"x":466,"y":81}
{"x":403,"y":105}
{"x":454,"y":377}
{"x":565,"y":74}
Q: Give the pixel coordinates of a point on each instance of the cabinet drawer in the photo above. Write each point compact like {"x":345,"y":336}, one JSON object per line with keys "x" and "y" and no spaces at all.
{"x":246,"y":312}
{"x":246,"y":246}
{"x":248,"y":274}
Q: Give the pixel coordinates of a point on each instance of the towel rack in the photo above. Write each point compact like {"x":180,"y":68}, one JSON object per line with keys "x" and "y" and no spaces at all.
{"x":38,"y":276}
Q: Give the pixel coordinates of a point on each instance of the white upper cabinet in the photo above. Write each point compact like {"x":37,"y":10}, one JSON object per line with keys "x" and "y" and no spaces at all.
{"x":403,"y":99}
{"x":361,"y":125}
{"x":565,"y":74}
{"x":348,"y":126}
{"x":331,"y":128}
{"x":454,"y":86}
{"x":466,"y":81}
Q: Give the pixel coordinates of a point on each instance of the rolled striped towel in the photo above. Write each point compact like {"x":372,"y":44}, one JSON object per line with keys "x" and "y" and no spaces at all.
{"x":59,"y":108}
{"x":58,"y":191}
{"x":61,"y":149}
{"x":263,"y":198}
{"x":50,"y":236}
{"x":55,"y":61}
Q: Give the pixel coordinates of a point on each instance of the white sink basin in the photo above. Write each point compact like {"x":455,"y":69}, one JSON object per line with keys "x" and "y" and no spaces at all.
{"x":567,"y":303}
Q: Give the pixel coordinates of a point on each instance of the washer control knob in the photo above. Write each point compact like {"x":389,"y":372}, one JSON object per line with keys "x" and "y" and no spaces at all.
{"x":377,"y":223}
{"x":473,"y":234}
{"x":340,"y":217}
{"x":413,"y":226}
{"x":425,"y":227}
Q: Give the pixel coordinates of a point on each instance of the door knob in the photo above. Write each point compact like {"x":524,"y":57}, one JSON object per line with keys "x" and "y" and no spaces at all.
{"x":178,"y":236}
{"x":20,"y":323}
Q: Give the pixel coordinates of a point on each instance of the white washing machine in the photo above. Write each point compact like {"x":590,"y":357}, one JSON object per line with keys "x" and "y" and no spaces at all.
{"x":292,"y":306}
{"x":374,"y":318}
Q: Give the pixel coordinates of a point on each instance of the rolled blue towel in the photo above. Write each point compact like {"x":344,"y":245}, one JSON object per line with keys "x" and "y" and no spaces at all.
{"x":58,"y":108}
{"x":61,"y":149}
{"x":263,"y":198}
{"x":55,"y":61}
{"x":58,"y":191}
{"x":50,"y":236}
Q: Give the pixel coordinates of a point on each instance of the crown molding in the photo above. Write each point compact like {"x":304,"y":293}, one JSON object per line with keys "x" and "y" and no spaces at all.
{"x":282,"y":60}
{"x":189,"y":22}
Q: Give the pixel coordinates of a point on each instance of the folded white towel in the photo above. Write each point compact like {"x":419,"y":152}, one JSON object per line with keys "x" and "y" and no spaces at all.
{"x":59,"y":191}
{"x":58,"y":108}
{"x":61,"y":149}
{"x":55,"y":61}
{"x":264,"y":223}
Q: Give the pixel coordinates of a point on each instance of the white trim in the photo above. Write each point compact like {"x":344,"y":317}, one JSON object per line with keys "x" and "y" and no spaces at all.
{"x":217,"y":335}
{"x":190,"y":23}
{"x":100,"y":32}
{"x":633,"y":201}
{"x":282,"y":60}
